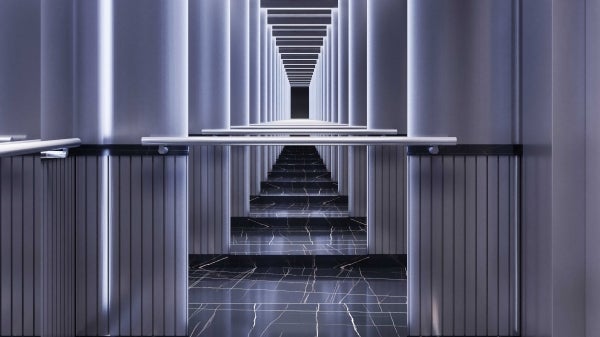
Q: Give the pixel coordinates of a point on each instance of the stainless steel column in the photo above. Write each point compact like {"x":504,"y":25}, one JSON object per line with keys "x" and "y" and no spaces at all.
{"x":20,"y":72}
{"x":240,"y":105}
{"x":342,"y":85}
{"x":20,"y":176}
{"x":210,"y":103}
{"x":460,"y":83}
{"x":122,"y":65}
{"x":255,"y":15}
{"x":386,"y":108}
{"x":357,"y":104}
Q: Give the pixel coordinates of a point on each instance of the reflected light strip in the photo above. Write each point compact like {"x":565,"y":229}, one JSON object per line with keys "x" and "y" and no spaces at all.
{"x":106,"y":65}
{"x":105,"y":243}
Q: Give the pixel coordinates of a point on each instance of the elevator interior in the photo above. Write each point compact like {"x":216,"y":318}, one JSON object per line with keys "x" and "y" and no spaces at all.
{"x":160,"y":121}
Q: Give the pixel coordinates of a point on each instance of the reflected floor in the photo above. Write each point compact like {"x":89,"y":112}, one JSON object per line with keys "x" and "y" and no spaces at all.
{"x":298,"y":236}
{"x":296,"y":296}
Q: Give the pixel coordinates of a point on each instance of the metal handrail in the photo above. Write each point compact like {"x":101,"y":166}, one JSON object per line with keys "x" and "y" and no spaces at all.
{"x":12,"y":138}
{"x":298,"y":131}
{"x":299,"y":140}
{"x":36,"y":146}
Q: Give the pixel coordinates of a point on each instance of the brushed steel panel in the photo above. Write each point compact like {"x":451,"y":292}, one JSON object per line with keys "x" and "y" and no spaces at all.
{"x":159,"y":262}
{"x":481,"y":243}
{"x":460,"y":235}
{"x":470,"y":246}
{"x":448,"y":246}
{"x":147,"y":193}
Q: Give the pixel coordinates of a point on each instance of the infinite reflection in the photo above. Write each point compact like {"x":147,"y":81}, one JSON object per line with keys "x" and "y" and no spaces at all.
{"x":299,"y":236}
{"x":298,"y":296}
{"x":299,"y":211}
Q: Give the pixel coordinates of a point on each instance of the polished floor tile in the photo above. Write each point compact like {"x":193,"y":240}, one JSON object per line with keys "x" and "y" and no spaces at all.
{"x":280,"y":297}
{"x":298,"y":236}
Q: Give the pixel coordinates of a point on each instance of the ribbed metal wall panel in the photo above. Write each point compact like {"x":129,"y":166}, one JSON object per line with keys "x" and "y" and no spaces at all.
{"x":240,"y":181}
{"x":357,"y":181}
{"x":58,"y":247}
{"x":91,"y":245}
{"x":209,"y":199}
{"x":148,"y":245}
{"x":386,"y":197}
{"x":20,"y":246}
{"x":462,"y":267}
{"x":255,"y":169}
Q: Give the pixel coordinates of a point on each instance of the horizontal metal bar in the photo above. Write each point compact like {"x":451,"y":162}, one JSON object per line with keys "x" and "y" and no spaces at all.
{"x":299,"y":140}
{"x":12,"y":138}
{"x":298,"y":131}
{"x":35,"y":146}
{"x":301,"y":126}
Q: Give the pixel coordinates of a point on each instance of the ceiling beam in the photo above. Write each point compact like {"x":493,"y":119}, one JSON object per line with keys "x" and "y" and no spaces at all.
{"x":299,"y":56}
{"x":301,"y":50}
{"x":298,"y":20}
{"x":298,"y":42}
{"x":299,"y":62}
{"x":286,"y":4}
{"x":301,"y":33}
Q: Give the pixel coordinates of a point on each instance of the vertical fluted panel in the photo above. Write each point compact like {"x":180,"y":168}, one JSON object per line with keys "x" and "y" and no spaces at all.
{"x":209,"y":199}
{"x":343,"y":170}
{"x":240,"y":181}
{"x":255,"y":170}
{"x":462,"y":271}
{"x":357,"y":185}
{"x":148,"y":245}
{"x":92,"y":246}
{"x":58,"y":249}
{"x":20,"y":246}
{"x":386,"y":210}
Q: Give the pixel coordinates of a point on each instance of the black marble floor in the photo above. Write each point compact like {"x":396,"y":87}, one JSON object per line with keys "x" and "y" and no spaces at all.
{"x":297,"y":296}
{"x":299,"y":185}
{"x":299,"y":211}
{"x":298,"y":236}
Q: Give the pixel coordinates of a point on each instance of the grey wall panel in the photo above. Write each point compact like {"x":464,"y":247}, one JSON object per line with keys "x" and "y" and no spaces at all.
{"x":568,"y":174}
{"x":136,"y":306}
{"x":209,"y":200}
{"x":460,"y":72}
{"x":115,"y":246}
{"x":209,"y":73}
{"x":91,"y":245}
{"x":58,"y":257}
{"x":20,"y":245}
{"x":254,"y":31}
{"x":150,"y":69}
{"x":255,"y":169}
{"x":343,"y":170}
{"x":57,"y":71}
{"x":20,"y":40}
{"x":342,"y":80}
{"x":357,"y":181}
{"x":357,"y":62}
{"x":386,"y":65}
{"x":536,"y":107}
{"x":240,"y":63}
{"x":462,"y":225}
{"x":386,"y":199}
{"x":240,"y":181}
{"x":592,"y":166}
